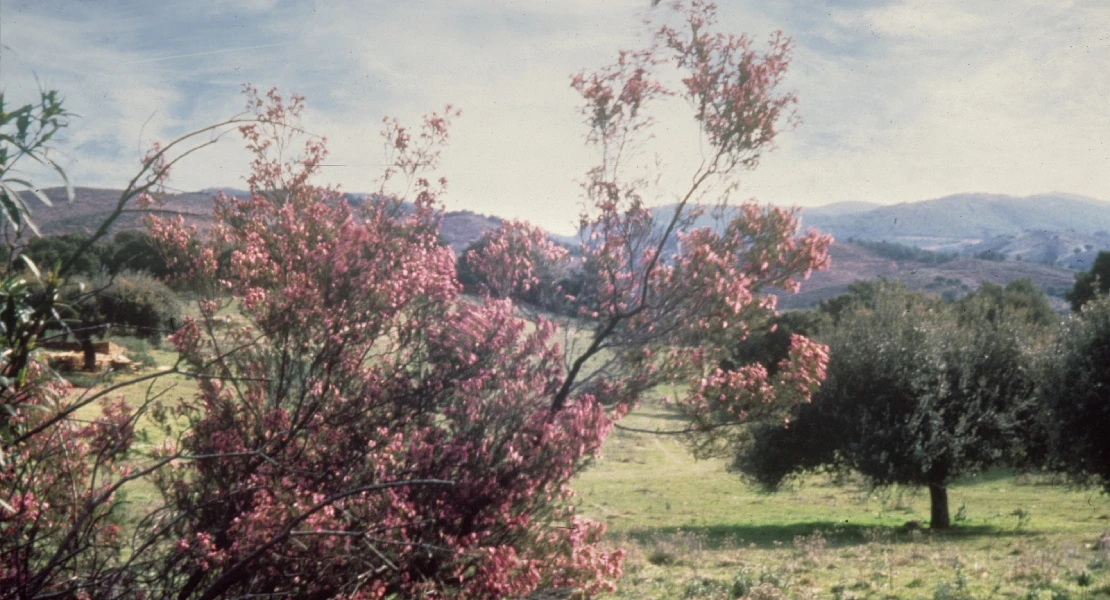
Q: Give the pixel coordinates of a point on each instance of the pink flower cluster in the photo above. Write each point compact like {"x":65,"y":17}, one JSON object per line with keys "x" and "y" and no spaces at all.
{"x":366,"y":432}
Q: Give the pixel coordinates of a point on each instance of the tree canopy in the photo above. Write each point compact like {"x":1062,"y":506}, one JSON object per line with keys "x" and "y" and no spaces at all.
{"x":1075,"y":393}
{"x":1091,"y":284}
{"x":912,"y":396}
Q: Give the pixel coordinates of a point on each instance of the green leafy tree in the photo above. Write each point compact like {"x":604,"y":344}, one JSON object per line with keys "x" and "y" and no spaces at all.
{"x":1020,"y":299}
{"x":912,"y":396}
{"x":140,"y":303}
{"x":767,"y":341}
{"x":135,"y":251}
{"x":1090,"y":284}
{"x":25,"y":135}
{"x":860,"y":293}
{"x":51,"y":251}
{"x":1075,"y":393}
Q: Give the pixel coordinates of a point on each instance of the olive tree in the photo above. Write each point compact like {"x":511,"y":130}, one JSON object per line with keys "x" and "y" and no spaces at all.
{"x":1075,"y":392}
{"x":915,"y":394}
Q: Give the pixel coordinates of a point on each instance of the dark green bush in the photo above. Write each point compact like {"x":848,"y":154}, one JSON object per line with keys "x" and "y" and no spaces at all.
{"x":1075,"y":396}
{"x":141,"y":304}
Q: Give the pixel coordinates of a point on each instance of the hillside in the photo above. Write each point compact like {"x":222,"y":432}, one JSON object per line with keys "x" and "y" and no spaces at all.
{"x":1073,"y":231}
{"x":1062,"y":229}
{"x":461,"y":228}
{"x":851,"y":262}
{"x":957,"y":221}
{"x":92,"y":205}
{"x":1068,"y":249}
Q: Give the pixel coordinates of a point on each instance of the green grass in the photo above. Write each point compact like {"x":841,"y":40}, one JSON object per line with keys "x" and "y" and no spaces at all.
{"x":168,"y":389}
{"x":692,"y":530}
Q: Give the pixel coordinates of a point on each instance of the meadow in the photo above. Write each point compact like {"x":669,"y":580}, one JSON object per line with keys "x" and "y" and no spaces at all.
{"x":693,"y":530}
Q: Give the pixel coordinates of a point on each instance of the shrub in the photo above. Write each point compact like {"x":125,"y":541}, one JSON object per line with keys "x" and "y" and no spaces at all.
{"x":140,"y":303}
{"x":1073,"y":391}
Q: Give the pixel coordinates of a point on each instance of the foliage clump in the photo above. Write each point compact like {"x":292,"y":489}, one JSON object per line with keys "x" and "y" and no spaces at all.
{"x":918,"y":392}
{"x":1090,"y":284}
{"x":1075,"y":392}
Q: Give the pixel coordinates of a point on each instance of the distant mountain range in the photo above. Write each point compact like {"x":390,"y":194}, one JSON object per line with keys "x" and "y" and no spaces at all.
{"x":93,"y":205}
{"x":851,"y":262}
{"x":1046,"y":237}
{"x":963,"y":220}
{"x":977,"y":237}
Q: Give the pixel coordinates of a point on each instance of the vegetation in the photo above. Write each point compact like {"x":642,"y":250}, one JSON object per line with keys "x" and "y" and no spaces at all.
{"x":993,"y":255}
{"x":902,"y":252}
{"x":25,"y":135}
{"x":1073,"y":390}
{"x":1091,"y":284}
{"x":364,"y":435}
{"x":63,"y":471}
{"x":360,"y":430}
{"x":915,"y":395}
{"x":1020,"y":299}
{"x":133,"y":251}
{"x":693,"y":530}
{"x":138,"y":303}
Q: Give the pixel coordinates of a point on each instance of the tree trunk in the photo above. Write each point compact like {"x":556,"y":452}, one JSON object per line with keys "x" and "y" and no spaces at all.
{"x":938,"y":497}
{"x":87,"y":348}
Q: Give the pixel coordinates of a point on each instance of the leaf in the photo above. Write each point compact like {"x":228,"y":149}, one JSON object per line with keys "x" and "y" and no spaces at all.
{"x":70,"y":195}
{"x":31,"y":265}
{"x":42,"y":197}
{"x":16,"y":208}
{"x":13,"y":206}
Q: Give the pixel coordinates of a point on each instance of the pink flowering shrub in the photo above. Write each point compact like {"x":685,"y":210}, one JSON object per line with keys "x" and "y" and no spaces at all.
{"x":363,"y":431}
{"x":367,"y":433}
{"x":518,"y":260}
{"x":59,"y":484}
{"x":65,"y":528}
{"x":659,"y":299}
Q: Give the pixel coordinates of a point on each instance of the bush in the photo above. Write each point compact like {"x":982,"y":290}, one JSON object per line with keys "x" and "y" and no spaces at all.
{"x":141,"y":303}
{"x":51,"y":251}
{"x":135,"y":251}
{"x":902,"y":252}
{"x":1074,"y":395}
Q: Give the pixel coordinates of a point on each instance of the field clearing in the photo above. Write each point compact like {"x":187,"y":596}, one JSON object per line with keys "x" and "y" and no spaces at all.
{"x":169,"y":389}
{"x":693,"y":530}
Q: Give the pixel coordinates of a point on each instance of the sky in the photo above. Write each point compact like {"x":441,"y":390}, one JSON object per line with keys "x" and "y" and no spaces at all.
{"x":900,"y":100}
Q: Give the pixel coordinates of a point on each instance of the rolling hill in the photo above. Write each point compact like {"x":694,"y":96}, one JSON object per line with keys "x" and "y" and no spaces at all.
{"x":93,"y":205}
{"x":851,"y":262}
{"x":958,"y":221}
{"x":1044,"y":238}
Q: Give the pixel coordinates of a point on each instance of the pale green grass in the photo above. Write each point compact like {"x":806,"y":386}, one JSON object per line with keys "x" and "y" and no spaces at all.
{"x":169,"y":389}
{"x":693,"y":530}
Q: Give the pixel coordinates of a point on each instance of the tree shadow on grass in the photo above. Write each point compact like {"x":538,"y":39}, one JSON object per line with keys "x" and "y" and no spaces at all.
{"x":836,"y":534}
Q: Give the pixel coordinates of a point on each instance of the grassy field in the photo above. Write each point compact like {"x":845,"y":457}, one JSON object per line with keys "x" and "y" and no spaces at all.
{"x":169,"y":389}
{"x":692,"y":530}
